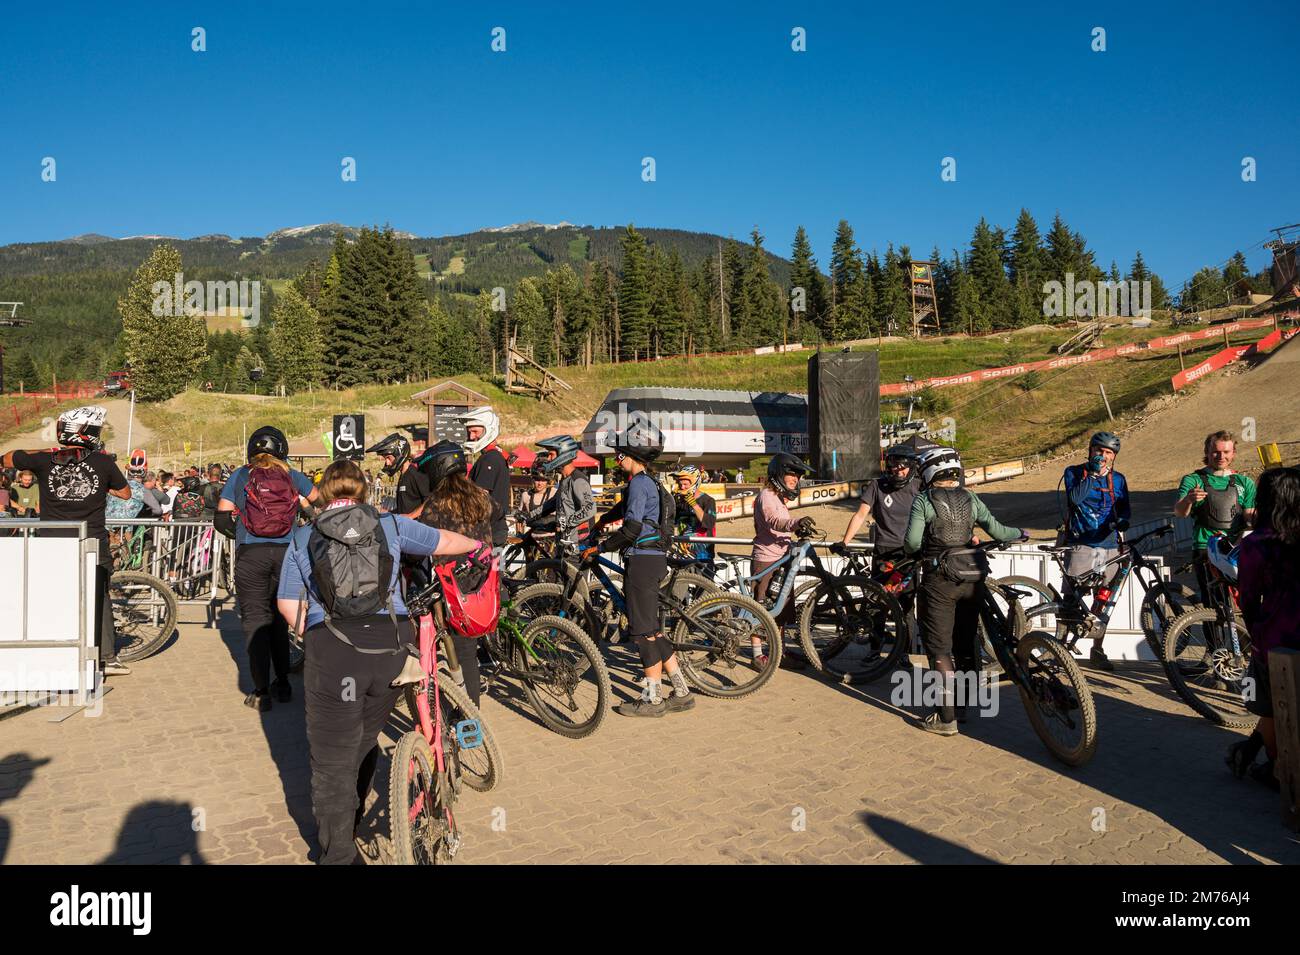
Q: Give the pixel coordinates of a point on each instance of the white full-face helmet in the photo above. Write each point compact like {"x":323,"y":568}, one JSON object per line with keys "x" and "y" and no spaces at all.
{"x":486,"y":419}
{"x":81,"y":427}
{"x":940,"y":464}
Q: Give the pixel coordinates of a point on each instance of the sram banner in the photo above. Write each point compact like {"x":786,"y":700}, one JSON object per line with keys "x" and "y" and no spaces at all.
{"x":1229,"y":355}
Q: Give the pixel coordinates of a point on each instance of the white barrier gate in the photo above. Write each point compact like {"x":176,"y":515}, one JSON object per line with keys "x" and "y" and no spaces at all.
{"x":47,"y":637}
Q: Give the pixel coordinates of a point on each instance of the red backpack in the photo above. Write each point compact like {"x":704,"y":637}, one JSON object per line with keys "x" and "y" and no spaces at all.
{"x":471,"y":590}
{"x":272,"y":502}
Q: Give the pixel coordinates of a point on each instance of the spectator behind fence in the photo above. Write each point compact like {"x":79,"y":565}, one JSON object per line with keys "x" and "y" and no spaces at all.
{"x":5,"y":503}
{"x":25,"y":495}
{"x":212,"y":492}
{"x":1268,"y":581}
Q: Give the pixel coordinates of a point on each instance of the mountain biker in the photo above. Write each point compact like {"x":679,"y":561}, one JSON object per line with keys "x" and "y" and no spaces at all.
{"x":490,"y":470}
{"x":456,"y":504}
{"x":1268,"y":589}
{"x":643,"y":511}
{"x":539,"y":494}
{"x":211,"y":491}
{"x":76,"y":481}
{"x":353,"y":660}
{"x":265,"y":495}
{"x":1219,"y":500}
{"x":412,"y":484}
{"x":697,"y":515}
{"x":887,"y":503}
{"x":941,"y":529}
{"x":1098,"y":511}
{"x":773,"y":526}
{"x":573,"y":503}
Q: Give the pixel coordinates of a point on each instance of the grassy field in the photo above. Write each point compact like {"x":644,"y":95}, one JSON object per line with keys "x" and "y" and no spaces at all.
{"x":995,"y":421}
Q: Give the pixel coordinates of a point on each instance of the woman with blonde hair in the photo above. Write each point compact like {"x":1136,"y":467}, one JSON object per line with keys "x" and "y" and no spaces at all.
{"x":341,"y":577}
{"x":258,"y":508}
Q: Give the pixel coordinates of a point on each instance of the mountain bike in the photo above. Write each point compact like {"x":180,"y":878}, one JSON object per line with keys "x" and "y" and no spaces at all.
{"x":727,"y":644}
{"x":1051,"y":685}
{"x":1076,"y":620}
{"x":144,"y":613}
{"x":563,"y":674}
{"x":1207,"y":652}
{"x":436,"y":758}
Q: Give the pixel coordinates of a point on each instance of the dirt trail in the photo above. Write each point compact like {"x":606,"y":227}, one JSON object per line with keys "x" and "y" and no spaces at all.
{"x":119,"y":413}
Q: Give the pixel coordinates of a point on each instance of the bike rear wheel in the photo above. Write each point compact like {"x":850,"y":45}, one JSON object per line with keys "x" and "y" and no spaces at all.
{"x":477,"y":766}
{"x":144,"y":614}
{"x":1163,"y":605}
{"x":419,"y":806}
{"x":713,"y":640}
{"x":548,"y":600}
{"x":1057,"y":698}
{"x":853,"y":629}
{"x":1204,"y":669}
{"x":564,"y":676}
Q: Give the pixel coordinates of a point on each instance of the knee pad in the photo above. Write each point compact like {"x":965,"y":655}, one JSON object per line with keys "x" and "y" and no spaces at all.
{"x":665,"y":646}
{"x":648,"y":649}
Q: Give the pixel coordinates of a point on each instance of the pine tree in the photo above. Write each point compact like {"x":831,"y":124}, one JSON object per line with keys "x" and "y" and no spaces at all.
{"x":296,"y":342}
{"x":984,"y":264}
{"x":528,"y":320}
{"x":805,"y":275}
{"x":852,"y":296}
{"x":166,"y":350}
{"x":634,"y":297}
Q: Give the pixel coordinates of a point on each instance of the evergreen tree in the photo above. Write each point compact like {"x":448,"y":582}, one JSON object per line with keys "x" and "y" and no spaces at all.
{"x":167,"y":350}
{"x":634,"y":297}
{"x":985,"y":267}
{"x":529,"y":326}
{"x":853,"y":298}
{"x":805,"y":275}
{"x":895,"y":306}
{"x":296,"y":342}
{"x":763,"y":306}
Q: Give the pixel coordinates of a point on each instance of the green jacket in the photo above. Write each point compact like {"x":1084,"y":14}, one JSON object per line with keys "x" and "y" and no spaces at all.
{"x":923,"y":513}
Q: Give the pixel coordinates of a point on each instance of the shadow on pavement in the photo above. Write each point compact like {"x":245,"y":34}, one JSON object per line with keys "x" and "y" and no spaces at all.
{"x":921,"y":846}
{"x":17,"y":770}
{"x":285,"y":728}
{"x":159,"y":833}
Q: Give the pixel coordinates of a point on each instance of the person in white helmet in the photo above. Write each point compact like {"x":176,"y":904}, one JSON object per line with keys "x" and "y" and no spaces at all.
{"x":76,"y":481}
{"x":490,"y":471}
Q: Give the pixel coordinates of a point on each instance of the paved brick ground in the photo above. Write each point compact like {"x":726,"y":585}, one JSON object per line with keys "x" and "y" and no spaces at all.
{"x":801,"y":772}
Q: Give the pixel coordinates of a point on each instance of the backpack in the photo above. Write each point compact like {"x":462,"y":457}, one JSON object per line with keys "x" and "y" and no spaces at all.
{"x":351,"y":565}
{"x":471,"y":591}
{"x":188,"y":506}
{"x":950,"y":531}
{"x":271,"y":502}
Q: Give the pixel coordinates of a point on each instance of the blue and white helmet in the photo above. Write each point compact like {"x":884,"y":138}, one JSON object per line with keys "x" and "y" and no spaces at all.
{"x":1223,"y":556}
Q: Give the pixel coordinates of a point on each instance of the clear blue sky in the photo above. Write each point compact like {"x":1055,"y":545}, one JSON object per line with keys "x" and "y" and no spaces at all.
{"x":1138,"y":147}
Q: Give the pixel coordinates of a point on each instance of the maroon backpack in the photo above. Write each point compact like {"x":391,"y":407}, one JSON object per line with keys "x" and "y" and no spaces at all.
{"x":272,"y":502}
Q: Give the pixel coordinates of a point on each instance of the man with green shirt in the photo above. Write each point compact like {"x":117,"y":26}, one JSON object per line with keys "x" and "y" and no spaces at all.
{"x":26,"y":495}
{"x":1220,"y":500}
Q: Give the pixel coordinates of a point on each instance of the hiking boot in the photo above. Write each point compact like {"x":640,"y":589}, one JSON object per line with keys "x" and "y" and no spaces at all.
{"x":1099,"y":661}
{"x":258,"y":701}
{"x":641,"y":708}
{"x":679,"y":702}
{"x":116,"y":667}
{"x":934,"y":723}
{"x":283,"y":691}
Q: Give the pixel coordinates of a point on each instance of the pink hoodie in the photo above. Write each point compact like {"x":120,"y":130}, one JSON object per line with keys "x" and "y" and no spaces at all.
{"x":772,"y":527}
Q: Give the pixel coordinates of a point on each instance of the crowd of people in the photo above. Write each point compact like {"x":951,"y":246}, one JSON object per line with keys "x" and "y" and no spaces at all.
{"x":314,"y":557}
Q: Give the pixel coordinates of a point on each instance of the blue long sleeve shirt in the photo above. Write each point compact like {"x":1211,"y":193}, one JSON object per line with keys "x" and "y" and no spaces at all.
{"x":1096,"y":501}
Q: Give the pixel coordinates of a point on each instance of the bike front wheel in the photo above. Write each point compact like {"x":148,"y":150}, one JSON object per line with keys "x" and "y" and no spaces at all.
{"x":1206,"y":670}
{"x":1163,"y":605}
{"x":853,"y":629}
{"x":727,"y":645}
{"x":1057,"y":698}
{"x":419,"y":806}
{"x":144,"y":614}
{"x":564,"y":676}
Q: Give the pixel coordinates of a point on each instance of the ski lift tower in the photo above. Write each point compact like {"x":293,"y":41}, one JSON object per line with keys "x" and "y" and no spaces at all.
{"x":9,"y":321}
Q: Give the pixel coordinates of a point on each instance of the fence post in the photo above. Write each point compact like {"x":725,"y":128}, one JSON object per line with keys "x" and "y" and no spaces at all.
{"x":1284,"y":680}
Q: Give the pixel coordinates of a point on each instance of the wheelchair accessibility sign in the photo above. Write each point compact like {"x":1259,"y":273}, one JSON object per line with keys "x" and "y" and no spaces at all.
{"x":349,"y":436}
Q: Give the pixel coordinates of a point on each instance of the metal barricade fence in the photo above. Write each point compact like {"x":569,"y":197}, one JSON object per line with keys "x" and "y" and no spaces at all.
{"x":195,"y":561}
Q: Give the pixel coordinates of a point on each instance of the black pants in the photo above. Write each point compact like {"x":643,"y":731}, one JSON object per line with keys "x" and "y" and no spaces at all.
{"x":1204,"y":577}
{"x":642,"y":575}
{"x":105,"y":633}
{"x":266,"y":635}
{"x":949,"y":619}
{"x":467,"y":650}
{"x":348,"y":700}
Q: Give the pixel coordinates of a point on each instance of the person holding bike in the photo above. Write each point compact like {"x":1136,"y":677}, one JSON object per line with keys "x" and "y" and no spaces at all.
{"x":887,"y":503}
{"x":340,"y":578}
{"x":1219,"y":500}
{"x":258,"y":508}
{"x":76,"y":479}
{"x":458,"y":505}
{"x":533,"y":501}
{"x":773,"y":526}
{"x":697,"y":516}
{"x":941,"y":529}
{"x":644,"y":537}
{"x":1098,"y":511}
{"x":573,"y":504}
{"x":412,"y":485}
{"x":1268,"y":589}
